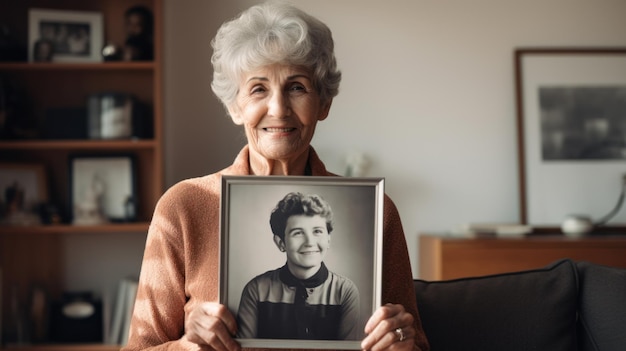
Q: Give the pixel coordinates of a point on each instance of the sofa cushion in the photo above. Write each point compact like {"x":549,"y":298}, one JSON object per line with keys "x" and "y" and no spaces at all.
{"x":602,"y":308}
{"x":528,"y":310}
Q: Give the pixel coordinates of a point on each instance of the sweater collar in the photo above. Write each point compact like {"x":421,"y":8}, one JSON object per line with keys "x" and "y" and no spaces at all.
{"x":241,"y":165}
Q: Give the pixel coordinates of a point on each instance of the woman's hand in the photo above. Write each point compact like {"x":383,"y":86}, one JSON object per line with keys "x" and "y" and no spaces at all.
{"x":389,"y":328}
{"x":212,"y":324}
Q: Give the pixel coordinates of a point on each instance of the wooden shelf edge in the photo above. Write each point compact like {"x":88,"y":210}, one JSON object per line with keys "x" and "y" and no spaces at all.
{"x":63,"y":347}
{"x":95,"y":66}
{"x":78,"y":144}
{"x":135,"y":227}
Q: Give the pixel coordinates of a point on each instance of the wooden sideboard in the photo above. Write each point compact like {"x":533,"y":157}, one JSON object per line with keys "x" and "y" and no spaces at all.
{"x":447,"y":257}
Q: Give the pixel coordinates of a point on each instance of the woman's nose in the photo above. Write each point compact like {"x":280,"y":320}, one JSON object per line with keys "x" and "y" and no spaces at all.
{"x":279,"y":106}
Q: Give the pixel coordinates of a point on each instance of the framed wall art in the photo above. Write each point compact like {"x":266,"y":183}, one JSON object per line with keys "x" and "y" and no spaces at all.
{"x":64,"y":36}
{"x":24,"y":188}
{"x":102,"y":189}
{"x":301,"y":259}
{"x":571,"y":119}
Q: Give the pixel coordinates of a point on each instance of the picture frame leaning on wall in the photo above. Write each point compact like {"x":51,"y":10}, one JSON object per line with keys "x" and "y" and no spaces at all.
{"x":571,"y":126}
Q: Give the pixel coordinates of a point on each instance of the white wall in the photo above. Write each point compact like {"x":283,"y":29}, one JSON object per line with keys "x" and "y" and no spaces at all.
{"x":427,"y":95}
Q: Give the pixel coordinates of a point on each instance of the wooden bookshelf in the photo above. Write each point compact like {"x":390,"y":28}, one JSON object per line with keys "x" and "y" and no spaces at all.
{"x":33,"y":255}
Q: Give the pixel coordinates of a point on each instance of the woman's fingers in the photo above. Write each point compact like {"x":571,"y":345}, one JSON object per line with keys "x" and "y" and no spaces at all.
{"x":389,"y":327}
{"x":213,"y":325}
{"x":220,"y":311}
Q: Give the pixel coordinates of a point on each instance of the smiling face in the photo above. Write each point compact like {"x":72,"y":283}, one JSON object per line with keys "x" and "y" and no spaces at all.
{"x":279,"y":108}
{"x":306,"y":242}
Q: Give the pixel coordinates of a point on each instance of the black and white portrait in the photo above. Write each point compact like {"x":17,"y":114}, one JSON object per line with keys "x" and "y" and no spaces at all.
{"x":583,"y":122}
{"x":67,"y":38}
{"x":64,"y":36}
{"x":101,"y":187}
{"x":301,"y":260}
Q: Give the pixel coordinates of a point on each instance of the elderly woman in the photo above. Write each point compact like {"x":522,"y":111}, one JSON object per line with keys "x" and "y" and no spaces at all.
{"x":275,"y":72}
{"x":302,"y":299}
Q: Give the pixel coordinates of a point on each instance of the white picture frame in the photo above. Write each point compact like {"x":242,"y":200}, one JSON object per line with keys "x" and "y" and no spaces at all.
{"x":116,"y":180}
{"x":77,"y":36}
{"x":356,"y":249}
{"x":553,"y":188}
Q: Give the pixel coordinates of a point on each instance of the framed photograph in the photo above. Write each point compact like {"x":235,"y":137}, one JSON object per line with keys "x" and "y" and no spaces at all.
{"x":64,"y":36}
{"x":102,"y":189}
{"x":24,"y":188}
{"x":571,"y":118}
{"x":301,"y":259}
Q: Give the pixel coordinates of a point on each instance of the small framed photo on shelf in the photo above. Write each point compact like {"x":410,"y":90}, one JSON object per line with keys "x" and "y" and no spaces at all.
{"x":102,"y":189}
{"x":24,"y":189}
{"x":64,"y":36}
{"x":301,"y":259}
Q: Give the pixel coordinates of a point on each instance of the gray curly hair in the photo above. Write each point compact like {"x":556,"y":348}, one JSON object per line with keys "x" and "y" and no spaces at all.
{"x":273,"y":33}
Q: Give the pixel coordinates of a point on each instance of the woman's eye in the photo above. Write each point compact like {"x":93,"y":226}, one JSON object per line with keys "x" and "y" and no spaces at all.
{"x":297,"y":88}
{"x":258,"y":89}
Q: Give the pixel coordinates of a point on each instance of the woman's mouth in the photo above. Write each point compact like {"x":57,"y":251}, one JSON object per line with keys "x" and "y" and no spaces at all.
{"x":279,"y":130}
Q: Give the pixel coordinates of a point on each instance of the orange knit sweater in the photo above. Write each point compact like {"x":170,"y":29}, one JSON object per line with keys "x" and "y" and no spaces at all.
{"x":180,"y":266}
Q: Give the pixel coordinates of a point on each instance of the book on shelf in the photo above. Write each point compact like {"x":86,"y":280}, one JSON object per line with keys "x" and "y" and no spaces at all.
{"x":131,"y":293}
{"x":494,"y":229}
{"x":122,"y":311}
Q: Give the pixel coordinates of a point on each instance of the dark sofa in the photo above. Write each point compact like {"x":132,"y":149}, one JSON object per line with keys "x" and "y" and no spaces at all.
{"x":565,"y":306}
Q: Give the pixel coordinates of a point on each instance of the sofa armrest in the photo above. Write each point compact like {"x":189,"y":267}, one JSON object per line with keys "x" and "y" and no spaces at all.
{"x":602,"y":308}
